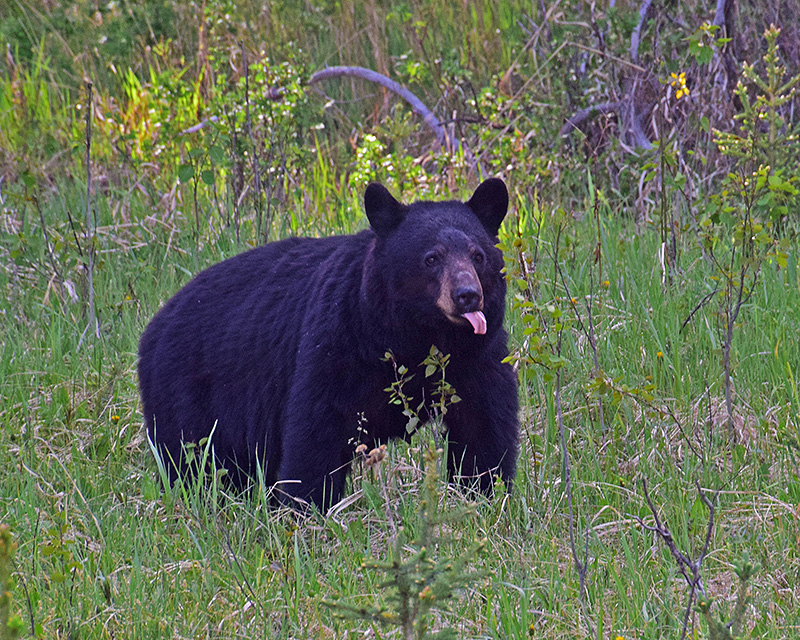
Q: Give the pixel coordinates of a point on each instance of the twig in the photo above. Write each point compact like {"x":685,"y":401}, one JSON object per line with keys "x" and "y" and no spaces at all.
{"x":706,"y":299}
{"x":93,"y":324}
{"x":47,"y":243}
{"x":685,"y":564}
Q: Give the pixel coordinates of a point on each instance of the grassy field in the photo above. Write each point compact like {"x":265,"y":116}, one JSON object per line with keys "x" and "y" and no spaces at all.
{"x":621,"y":314}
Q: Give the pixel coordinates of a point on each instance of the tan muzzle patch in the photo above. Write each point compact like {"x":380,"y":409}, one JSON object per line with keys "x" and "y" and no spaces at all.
{"x":461,"y":296}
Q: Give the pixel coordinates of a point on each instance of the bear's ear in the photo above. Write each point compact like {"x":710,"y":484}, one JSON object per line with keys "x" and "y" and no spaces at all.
{"x":383,"y":211}
{"x":490,"y":203}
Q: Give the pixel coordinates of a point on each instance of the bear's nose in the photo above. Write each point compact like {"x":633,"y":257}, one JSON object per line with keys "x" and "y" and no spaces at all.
{"x":467,"y":299}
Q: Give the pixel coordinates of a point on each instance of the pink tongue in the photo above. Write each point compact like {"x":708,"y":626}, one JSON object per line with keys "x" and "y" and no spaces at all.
{"x":477,"y":320}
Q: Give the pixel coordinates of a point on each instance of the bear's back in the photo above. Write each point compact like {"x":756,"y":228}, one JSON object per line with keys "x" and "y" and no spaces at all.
{"x":221,"y":349}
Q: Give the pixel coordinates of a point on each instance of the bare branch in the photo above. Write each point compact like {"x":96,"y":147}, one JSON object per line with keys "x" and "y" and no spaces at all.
{"x":442,"y":136}
{"x":644,"y":11}
{"x":685,"y":564}
{"x":700,"y":305}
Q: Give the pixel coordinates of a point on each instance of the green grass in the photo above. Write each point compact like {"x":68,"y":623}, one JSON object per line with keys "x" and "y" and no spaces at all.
{"x":104,"y":552}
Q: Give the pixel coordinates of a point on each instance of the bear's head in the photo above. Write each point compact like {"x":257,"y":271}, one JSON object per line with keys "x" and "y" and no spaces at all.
{"x":437,"y":261}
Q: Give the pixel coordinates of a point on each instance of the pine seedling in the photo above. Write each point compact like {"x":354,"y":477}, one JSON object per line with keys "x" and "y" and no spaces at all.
{"x":419,"y":580}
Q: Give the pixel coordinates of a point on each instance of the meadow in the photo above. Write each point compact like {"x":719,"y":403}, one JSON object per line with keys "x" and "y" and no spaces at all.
{"x":652,"y":259}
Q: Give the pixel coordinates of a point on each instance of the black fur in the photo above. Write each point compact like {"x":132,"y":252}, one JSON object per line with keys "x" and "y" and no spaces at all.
{"x":283,"y":348}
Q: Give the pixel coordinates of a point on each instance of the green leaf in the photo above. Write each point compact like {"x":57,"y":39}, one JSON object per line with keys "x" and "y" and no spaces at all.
{"x":208,"y":177}
{"x":217,"y":154}
{"x":185,"y":172}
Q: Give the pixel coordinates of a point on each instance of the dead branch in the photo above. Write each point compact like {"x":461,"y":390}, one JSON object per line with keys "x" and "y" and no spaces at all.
{"x":644,"y":12}
{"x":442,"y":136}
{"x":690,"y":569}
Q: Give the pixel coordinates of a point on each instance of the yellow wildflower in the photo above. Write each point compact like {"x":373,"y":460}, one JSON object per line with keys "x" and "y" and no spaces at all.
{"x":678,"y":82}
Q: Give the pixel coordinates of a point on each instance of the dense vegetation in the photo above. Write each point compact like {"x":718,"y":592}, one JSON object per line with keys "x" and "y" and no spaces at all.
{"x":654,"y":309}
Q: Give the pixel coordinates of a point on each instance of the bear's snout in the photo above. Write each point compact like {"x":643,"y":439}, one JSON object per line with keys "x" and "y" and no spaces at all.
{"x":467,"y":299}
{"x":466,"y":291}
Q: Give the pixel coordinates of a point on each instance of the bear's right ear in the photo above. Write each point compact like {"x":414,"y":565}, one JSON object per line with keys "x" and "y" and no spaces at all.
{"x":490,"y":204}
{"x":383,"y":211}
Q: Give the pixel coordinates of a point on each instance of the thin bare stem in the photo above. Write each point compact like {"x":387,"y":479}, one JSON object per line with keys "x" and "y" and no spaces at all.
{"x":93,"y":324}
{"x":254,"y":156}
{"x":690,"y":569}
{"x":581,"y":566}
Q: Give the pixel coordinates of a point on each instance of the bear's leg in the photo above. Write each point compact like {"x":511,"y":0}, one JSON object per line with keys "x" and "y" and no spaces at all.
{"x":483,"y":428}
{"x":314,"y":463}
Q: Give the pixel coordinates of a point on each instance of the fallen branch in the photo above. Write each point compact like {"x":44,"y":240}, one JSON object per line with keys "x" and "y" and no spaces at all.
{"x":442,"y":136}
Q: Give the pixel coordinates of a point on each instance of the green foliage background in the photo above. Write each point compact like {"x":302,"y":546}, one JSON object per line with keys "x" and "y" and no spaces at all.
{"x":653,"y":286}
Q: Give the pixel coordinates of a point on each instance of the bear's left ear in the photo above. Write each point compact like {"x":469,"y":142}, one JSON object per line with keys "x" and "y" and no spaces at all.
{"x":383,"y":211}
{"x":490,"y":204}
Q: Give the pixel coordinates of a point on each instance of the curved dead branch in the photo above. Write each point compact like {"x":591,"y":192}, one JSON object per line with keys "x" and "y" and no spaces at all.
{"x":439,"y":130}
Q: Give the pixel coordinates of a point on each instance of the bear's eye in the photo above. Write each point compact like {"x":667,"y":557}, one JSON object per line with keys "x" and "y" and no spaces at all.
{"x":432,"y":259}
{"x":477,"y":257}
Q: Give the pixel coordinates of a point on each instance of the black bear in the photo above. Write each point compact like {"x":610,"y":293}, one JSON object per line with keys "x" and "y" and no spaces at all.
{"x":281,"y":350}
